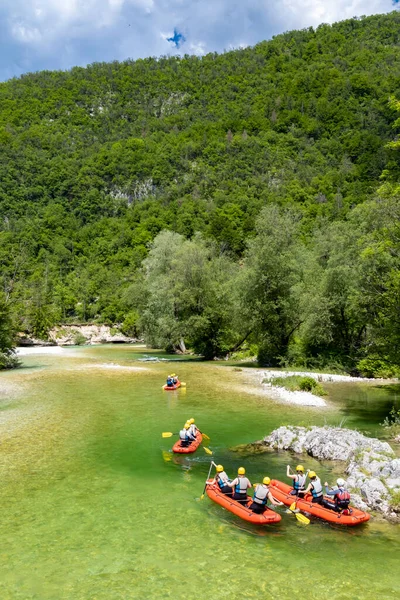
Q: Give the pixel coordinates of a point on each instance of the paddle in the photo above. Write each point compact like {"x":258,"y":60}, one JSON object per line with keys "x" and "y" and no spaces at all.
{"x":302,"y":518}
{"x":167,"y":434}
{"x":208,"y":476}
{"x":205,"y":436}
{"x":207,"y":450}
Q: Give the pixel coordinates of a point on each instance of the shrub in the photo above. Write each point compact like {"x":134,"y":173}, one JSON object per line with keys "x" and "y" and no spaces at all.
{"x":296,"y":383}
{"x":8,"y":360}
{"x":376,"y":367}
{"x":79,"y":339}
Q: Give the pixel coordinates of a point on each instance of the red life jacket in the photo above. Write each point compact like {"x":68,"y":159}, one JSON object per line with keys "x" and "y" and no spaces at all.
{"x":343,"y":498}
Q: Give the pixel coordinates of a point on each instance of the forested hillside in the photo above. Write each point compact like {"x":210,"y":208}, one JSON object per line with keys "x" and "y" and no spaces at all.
{"x":264,"y":164}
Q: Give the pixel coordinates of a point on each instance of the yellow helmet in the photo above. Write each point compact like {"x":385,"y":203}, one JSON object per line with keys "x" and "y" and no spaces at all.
{"x":241,"y":471}
{"x":300,"y":468}
{"x":186,"y":426}
{"x":266,"y":480}
{"x":191,"y":421}
{"x":173,"y":375}
{"x":312,"y":474}
{"x":219,"y":468}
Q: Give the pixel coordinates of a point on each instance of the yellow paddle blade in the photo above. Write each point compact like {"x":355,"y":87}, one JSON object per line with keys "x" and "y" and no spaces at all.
{"x":201,"y":497}
{"x":166,"y":434}
{"x":205,"y":436}
{"x":183,"y":384}
{"x":302,"y":518}
{"x":292,"y":506}
{"x":207,"y":450}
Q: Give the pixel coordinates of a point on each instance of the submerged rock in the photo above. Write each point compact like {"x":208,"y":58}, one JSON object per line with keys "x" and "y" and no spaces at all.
{"x":372,"y":469}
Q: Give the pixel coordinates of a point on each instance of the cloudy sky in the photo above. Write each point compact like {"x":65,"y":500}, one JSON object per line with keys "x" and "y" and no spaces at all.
{"x":58,"y":34}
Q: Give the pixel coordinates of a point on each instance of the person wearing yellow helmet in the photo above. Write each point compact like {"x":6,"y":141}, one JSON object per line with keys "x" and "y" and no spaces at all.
{"x":222,"y":479}
{"x":193,"y":429}
{"x":299,"y":480}
{"x":170,"y":381}
{"x":240,"y":485}
{"x":315,"y":488}
{"x":185,"y":436}
{"x":261,"y":496}
{"x":174,"y":378}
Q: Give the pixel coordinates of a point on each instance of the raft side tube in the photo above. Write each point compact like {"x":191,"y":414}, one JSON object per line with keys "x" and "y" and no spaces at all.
{"x":178,"y":449}
{"x":269,"y":516}
{"x":281,"y":491}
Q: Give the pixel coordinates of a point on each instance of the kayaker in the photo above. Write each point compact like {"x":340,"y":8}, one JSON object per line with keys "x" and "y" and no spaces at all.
{"x":174,"y":379}
{"x":222,"y":479}
{"x":315,"y":488}
{"x":299,"y":480}
{"x":340,"y":494}
{"x":186,"y":437}
{"x":261,"y":496}
{"x":240,"y":485}
{"x":170,"y":381}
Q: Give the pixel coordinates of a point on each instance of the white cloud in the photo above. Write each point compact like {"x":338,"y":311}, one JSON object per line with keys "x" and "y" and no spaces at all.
{"x":36,"y":34}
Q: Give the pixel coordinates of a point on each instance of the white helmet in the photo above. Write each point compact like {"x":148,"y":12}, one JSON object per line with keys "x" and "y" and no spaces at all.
{"x":341,"y":482}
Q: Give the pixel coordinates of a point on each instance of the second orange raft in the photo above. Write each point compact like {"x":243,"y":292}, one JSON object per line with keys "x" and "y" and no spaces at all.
{"x":281,"y":491}
{"x":178,"y":449}
{"x":243,"y":511}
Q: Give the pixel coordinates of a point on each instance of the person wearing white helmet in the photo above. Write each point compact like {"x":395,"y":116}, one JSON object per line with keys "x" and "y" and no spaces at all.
{"x":261,"y":496}
{"x":340,"y":495}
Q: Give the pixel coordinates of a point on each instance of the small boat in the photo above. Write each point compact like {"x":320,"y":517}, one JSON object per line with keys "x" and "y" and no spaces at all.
{"x":178,"y":449}
{"x":175,"y":386}
{"x":352,"y":516}
{"x":240,"y":510}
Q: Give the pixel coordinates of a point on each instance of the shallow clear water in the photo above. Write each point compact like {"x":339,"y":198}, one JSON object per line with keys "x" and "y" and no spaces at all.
{"x":94,"y":505}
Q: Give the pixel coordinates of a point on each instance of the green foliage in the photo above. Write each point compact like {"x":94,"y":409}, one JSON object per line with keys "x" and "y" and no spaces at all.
{"x":8,"y":360}
{"x":281,"y":156}
{"x":374,"y":366}
{"x":79,"y":339}
{"x":296,"y":383}
{"x":395,"y":500}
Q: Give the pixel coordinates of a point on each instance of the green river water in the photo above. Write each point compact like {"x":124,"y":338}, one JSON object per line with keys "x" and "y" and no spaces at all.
{"x":95,"y":506}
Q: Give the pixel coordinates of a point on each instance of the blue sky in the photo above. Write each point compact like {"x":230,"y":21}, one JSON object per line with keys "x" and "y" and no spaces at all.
{"x":58,"y":34}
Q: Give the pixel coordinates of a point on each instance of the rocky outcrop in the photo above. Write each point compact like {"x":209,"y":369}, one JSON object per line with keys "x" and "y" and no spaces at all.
{"x":75,"y":335}
{"x":372,"y":469}
{"x":87,"y":334}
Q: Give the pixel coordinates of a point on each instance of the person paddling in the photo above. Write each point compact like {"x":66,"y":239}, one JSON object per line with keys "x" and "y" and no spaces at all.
{"x":340,"y":494}
{"x":315,"y":487}
{"x":192,"y":429}
{"x":261,"y":495}
{"x":186,"y":437}
{"x":222,"y":479}
{"x":240,"y":485}
{"x":299,"y":480}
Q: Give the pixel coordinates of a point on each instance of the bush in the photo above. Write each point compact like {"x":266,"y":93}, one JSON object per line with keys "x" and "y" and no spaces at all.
{"x":295,"y":383}
{"x":79,"y":339}
{"x":376,"y":367}
{"x":8,"y":360}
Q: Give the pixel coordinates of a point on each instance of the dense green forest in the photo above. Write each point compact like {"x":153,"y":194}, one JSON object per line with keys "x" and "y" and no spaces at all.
{"x":247,"y":200}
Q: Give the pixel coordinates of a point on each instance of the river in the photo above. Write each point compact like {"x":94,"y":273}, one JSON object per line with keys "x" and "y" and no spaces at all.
{"x":95,"y":506}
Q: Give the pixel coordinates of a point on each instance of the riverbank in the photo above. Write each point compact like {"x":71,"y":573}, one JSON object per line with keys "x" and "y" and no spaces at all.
{"x":261,"y":382}
{"x":78,"y":335}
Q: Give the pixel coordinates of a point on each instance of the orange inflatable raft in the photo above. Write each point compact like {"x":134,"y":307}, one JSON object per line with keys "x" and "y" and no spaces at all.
{"x":178,"y":449}
{"x":281,"y":491}
{"x":175,"y":386}
{"x":240,"y":510}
